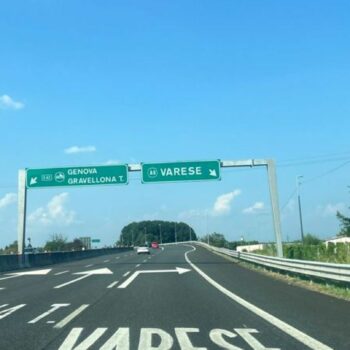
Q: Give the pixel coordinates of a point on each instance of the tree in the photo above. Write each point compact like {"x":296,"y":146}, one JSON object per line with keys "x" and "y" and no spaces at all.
{"x":56,"y":244}
{"x":216,"y":239}
{"x":310,"y":239}
{"x":344,"y":224}
{"x":137,"y":233}
{"x":11,"y":248}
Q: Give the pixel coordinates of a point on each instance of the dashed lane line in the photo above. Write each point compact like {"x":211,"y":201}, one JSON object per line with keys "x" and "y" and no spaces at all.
{"x":126,"y":273}
{"x":113,"y":284}
{"x":71,"y":316}
{"x":61,"y":273}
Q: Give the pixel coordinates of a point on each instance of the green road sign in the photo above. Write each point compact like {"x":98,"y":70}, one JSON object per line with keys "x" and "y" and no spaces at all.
{"x":181,"y":171}
{"x":95,"y":240}
{"x":78,"y":176}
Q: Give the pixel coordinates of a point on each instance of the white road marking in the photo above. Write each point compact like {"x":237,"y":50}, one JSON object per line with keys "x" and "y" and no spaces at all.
{"x":145,"y":260}
{"x":71,"y":316}
{"x":50,"y":322}
{"x":106,"y":261}
{"x":179,"y":270}
{"x":166,"y":340}
{"x":61,"y":273}
{"x":72,"y":281}
{"x":53,"y":309}
{"x":283,"y":326}
{"x":89,"y":265}
{"x":69,"y":343}
{"x":7,"y":312}
{"x":86,"y":274}
{"x":2,"y":288}
{"x":112,"y":284}
{"x":26,"y":273}
{"x":138,"y":265}
{"x":118,"y":257}
{"x":126,"y":273}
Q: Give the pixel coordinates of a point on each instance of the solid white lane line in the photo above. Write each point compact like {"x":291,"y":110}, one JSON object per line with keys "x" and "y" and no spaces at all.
{"x":112,"y":284}
{"x":126,"y":273}
{"x":61,"y":273}
{"x":89,"y":265}
{"x":106,"y":261}
{"x":283,"y":326}
{"x":71,"y":316}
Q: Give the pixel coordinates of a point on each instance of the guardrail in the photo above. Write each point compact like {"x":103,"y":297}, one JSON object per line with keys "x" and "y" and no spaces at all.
{"x":14,"y":262}
{"x":329,"y":271}
{"x":320,"y":270}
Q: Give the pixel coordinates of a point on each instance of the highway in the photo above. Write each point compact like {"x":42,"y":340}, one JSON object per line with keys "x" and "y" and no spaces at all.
{"x":179,"y":297}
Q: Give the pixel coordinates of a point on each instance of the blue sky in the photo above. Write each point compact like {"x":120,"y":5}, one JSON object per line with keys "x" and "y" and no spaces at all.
{"x":137,"y":81}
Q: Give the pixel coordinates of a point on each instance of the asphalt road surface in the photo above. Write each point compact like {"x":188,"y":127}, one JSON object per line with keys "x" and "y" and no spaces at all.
{"x":179,"y":297}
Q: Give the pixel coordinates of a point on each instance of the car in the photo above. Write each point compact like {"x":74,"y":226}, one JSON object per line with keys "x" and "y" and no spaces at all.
{"x":143,"y":250}
{"x":155,"y":245}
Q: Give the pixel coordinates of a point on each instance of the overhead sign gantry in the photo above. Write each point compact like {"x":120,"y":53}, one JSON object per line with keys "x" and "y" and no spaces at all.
{"x":151,"y":173}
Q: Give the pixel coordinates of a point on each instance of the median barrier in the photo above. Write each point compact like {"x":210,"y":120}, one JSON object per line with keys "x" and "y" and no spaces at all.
{"x":14,"y":261}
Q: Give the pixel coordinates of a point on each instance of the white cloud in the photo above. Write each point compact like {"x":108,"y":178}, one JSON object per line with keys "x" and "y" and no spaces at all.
{"x":256,"y":207}
{"x":112,"y":162}
{"x":331,"y":209}
{"x":222,"y":203}
{"x":54,"y":212}
{"x":8,"y":199}
{"x":192,"y":213}
{"x":222,"y":206}
{"x":6,"y":102}
{"x":77,"y":149}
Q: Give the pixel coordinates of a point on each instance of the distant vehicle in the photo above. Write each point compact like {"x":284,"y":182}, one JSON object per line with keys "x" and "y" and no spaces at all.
{"x":143,"y":250}
{"x":155,"y":245}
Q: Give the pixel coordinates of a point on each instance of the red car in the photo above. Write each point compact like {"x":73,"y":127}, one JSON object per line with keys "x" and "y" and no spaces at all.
{"x":155,"y":245}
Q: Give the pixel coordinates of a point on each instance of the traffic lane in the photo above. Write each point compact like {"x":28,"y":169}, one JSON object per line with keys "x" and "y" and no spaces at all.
{"x":174,"y":305}
{"x":9,"y":282}
{"x":40,"y":313}
{"x":320,"y":316}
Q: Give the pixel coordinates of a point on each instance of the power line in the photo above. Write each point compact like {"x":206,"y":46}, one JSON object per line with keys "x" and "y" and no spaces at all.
{"x":327,"y":172}
{"x":289,"y":198}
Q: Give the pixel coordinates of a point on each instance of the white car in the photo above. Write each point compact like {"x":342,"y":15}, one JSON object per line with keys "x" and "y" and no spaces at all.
{"x":143,"y":250}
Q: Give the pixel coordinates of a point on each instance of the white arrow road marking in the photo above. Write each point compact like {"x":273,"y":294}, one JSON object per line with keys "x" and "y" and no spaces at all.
{"x":26,"y":273}
{"x":178,"y":270}
{"x":86,"y":274}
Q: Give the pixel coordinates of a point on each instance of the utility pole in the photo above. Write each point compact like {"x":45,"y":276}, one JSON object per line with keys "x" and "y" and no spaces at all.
{"x":298,"y":183}
{"x":160,"y":233}
{"x":175,"y":234}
